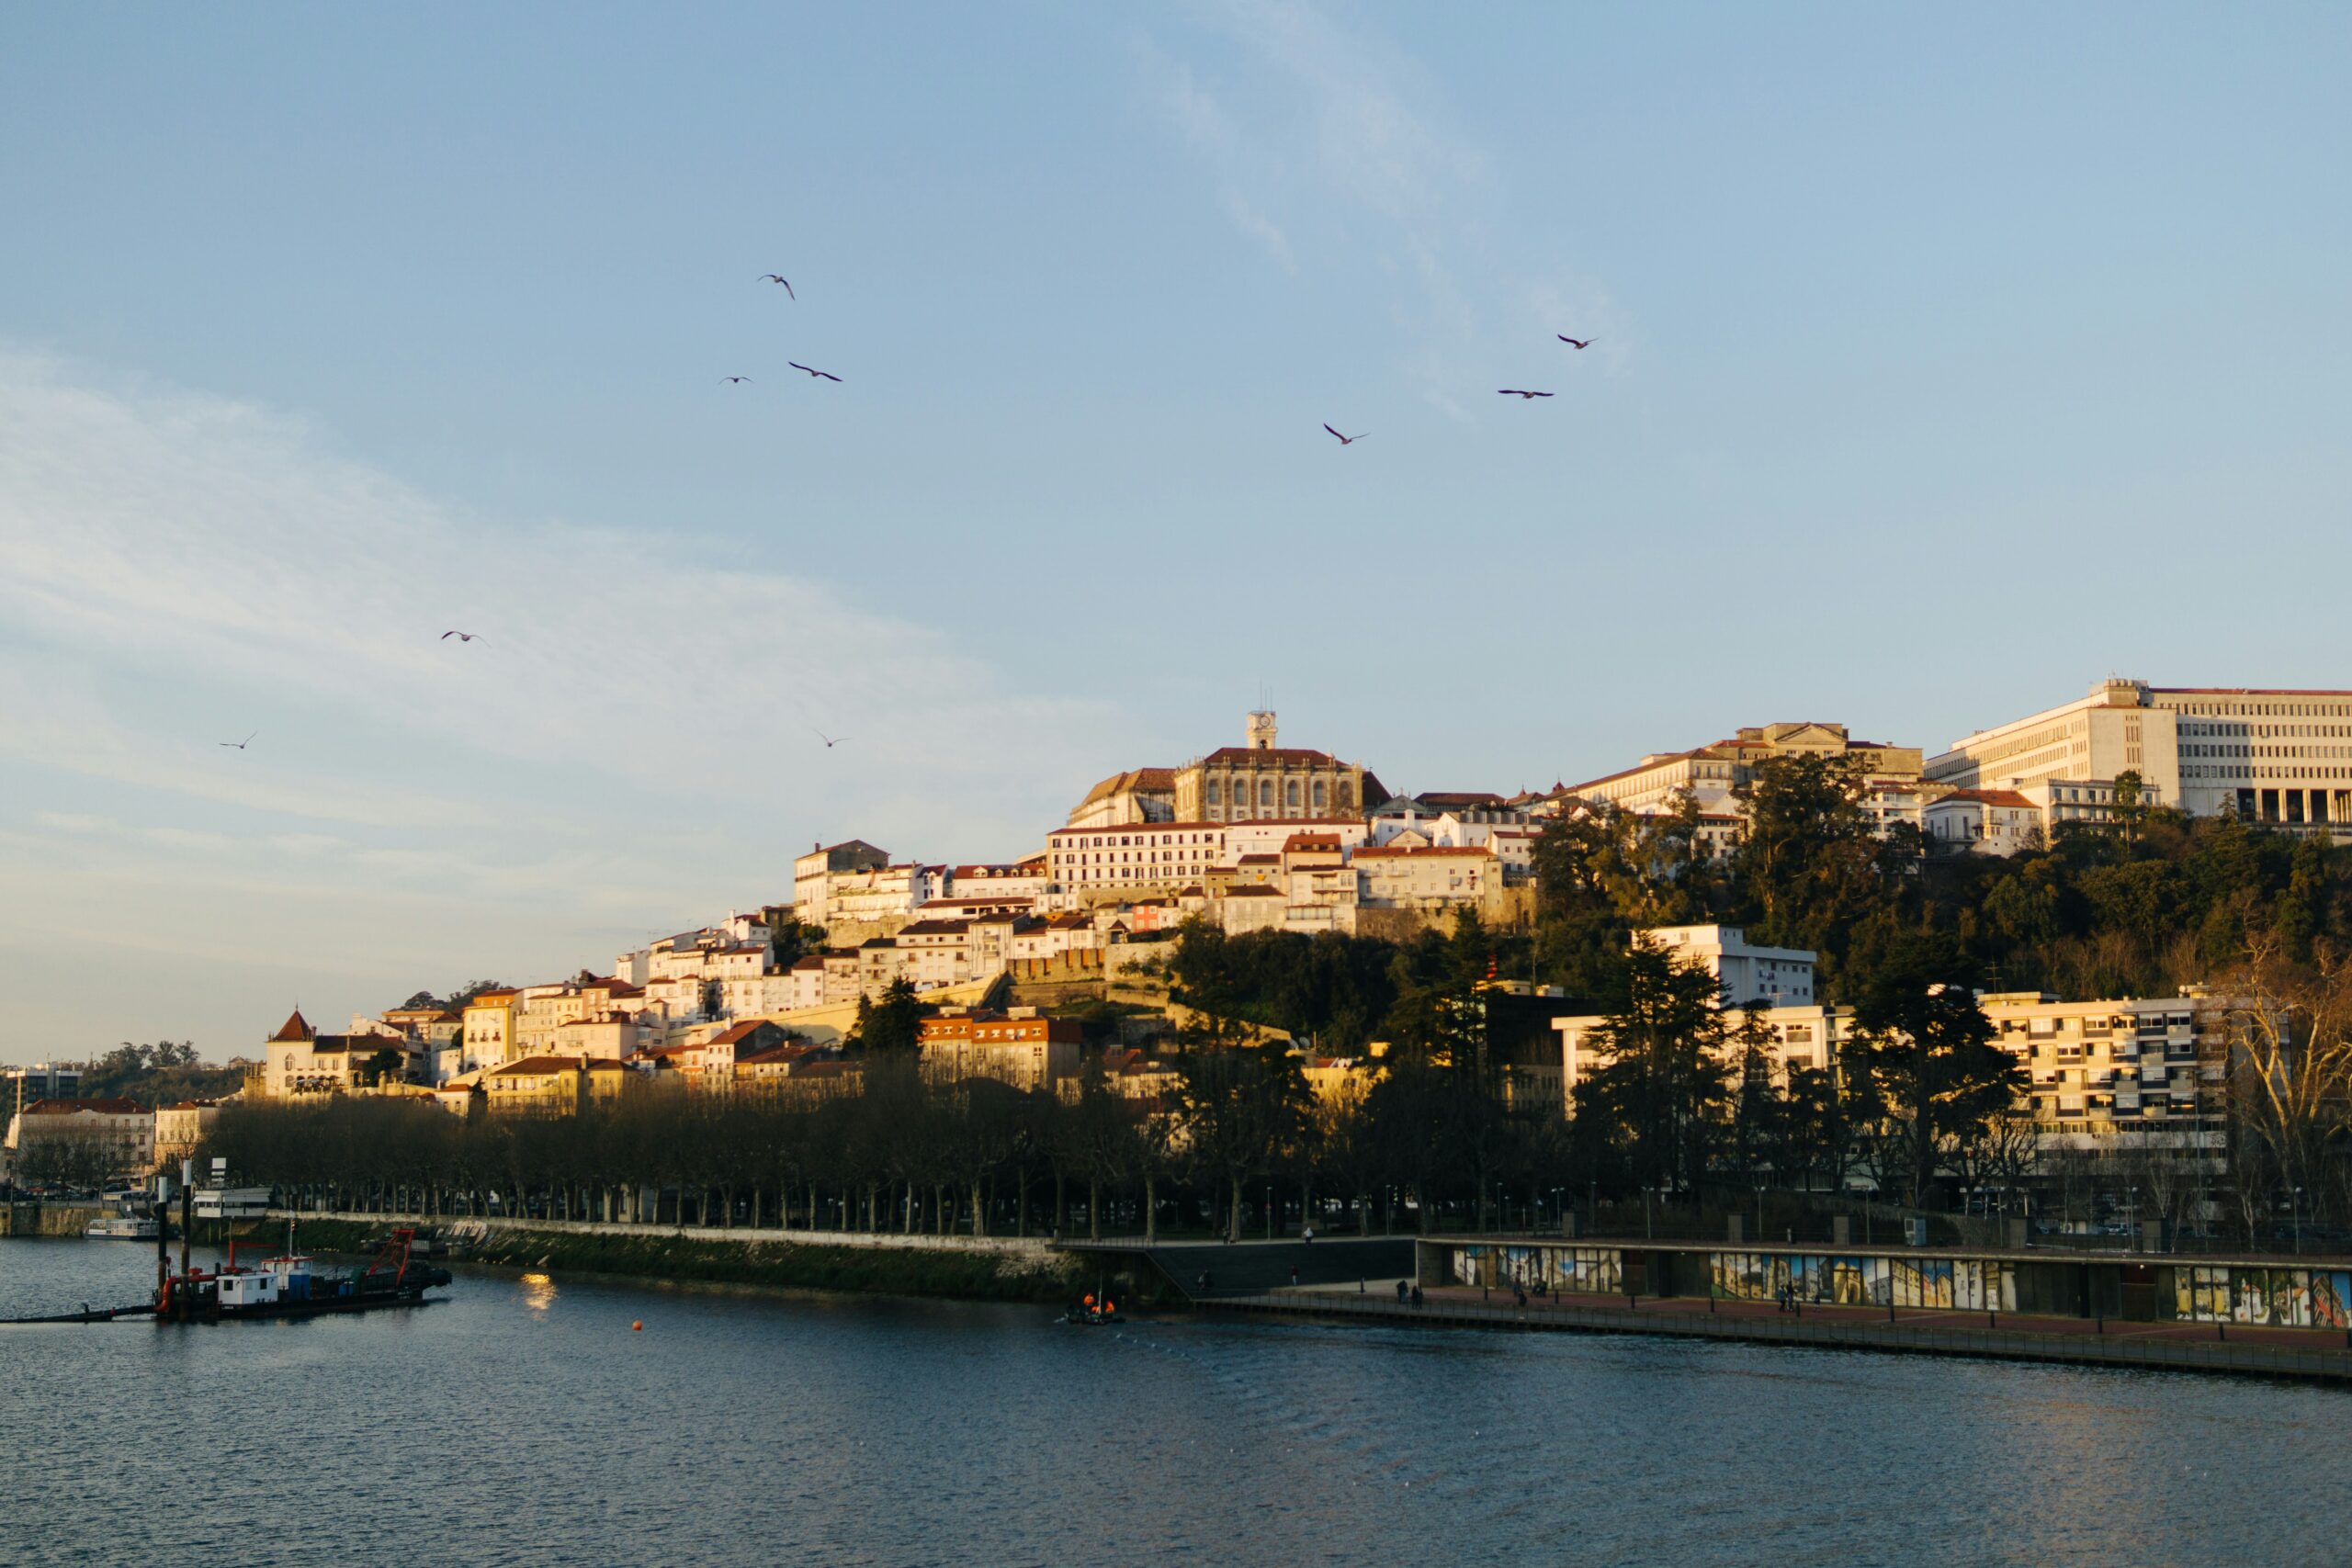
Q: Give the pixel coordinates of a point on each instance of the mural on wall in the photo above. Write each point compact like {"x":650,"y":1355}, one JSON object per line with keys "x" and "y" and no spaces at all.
{"x":1816,"y":1279}
{"x":2282,"y":1298}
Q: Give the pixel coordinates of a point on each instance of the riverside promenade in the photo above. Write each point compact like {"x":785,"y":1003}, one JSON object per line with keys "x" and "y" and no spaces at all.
{"x":2315,"y":1354}
{"x":1030,"y":1248}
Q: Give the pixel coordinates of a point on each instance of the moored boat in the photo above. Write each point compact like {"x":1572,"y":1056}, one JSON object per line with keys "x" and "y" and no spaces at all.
{"x":289,"y":1286}
{"x":121,"y":1227}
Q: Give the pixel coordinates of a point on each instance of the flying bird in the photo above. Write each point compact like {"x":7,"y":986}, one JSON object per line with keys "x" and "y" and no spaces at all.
{"x":734,"y":377}
{"x":1348,"y":440}
{"x":1571,"y":342}
{"x":778,"y":278}
{"x":461,"y":637}
{"x":826,"y":374}
{"x":830,"y":740}
{"x":1515,"y":393}
{"x":240,"y":745}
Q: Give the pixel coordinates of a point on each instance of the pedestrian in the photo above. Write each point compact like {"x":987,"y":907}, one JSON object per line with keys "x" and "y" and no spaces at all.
{"x":1400,"y":1292}
{"x":1417,"y":1295}
{"x":1519,"y":1292}
{"x":1359,"y":1286}
{"x":1294,"y":1276}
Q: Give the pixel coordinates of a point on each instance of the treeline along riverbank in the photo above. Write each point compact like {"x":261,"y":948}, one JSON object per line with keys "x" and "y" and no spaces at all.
{"x":913,"y":1266}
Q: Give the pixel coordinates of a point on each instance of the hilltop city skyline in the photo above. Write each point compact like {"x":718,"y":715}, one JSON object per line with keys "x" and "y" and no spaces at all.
{"x":1912,"y":429}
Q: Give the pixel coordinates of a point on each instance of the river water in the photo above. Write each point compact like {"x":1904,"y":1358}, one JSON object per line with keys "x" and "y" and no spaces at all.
{"x":525,"y":1422}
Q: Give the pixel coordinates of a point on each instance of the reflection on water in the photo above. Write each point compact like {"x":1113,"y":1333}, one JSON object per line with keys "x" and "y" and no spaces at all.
{"x":741,"y":1429}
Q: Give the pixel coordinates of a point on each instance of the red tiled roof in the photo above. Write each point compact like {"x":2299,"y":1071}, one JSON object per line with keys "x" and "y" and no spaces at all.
{"x":538,"y":1065}
{"x":1132,"y":828}
{"x":1393,"y":851}
{"x":109,"y":1105}
{"x":1989,"y":797}
{"x":1229,"y":754}
{"x":294,"y":1028}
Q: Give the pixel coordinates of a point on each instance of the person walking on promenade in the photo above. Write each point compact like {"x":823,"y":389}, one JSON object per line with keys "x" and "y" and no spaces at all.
{"x":1417,"y":1295}
{"x":1294,"y":1276}
{"x":1400,"y":1292}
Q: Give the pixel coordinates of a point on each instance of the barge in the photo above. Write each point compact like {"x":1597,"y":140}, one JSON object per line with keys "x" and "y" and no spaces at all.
{"x":288,"y":1286}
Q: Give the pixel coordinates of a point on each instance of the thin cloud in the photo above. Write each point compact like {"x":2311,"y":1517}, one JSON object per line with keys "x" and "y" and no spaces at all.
{"x":1312,"y":115}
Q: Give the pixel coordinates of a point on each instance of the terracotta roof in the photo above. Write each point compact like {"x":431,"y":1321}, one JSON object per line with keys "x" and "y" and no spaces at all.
{"x":1160,"y":780}
{"x":934,"y":928}
{"x":110,"y":1105}
{"x":1306,"y":841}
{"x":1252,"y":890}
{"x":1443,"y":798}
{"x":1425,"y":852}
{"x":735,"y":1034}
{"x":1133,"y":827}
{"x":536,"y":1064}
{"x":1988,"y":797}
{"x":1267,"y":753}
{"x":295,"y":1027}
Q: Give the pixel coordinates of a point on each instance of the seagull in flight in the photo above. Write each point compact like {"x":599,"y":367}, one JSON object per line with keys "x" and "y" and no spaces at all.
{"x":1348,"y":440}
{"x":778,"y":278}
{"x":1571,"y":342}
{"x":461,"y":637}
{"x":830,"y":740}
{"x":1515,"y":393}
{"x":240,"y":745}
{"x":812,"y":370}
{"x":734,"y":377}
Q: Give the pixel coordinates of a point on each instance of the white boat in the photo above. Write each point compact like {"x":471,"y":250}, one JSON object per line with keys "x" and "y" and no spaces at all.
{"x":121,"y":1227}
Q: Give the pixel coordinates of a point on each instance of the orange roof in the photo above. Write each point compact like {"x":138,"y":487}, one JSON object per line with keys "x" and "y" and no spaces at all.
{"x":112,"y":1105}
{"x":1425,"y":852}
{"x":2008,"y":797}
{"x":538,"y":1065}
{"x":295,"y":1027}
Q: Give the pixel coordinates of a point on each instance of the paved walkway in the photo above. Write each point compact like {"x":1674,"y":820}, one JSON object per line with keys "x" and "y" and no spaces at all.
{"x":1922,"y":1317}
{"x":2265,"y":1352}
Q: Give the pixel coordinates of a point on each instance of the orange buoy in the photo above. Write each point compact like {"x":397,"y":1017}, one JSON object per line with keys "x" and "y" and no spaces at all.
{"x":637,"y":1325}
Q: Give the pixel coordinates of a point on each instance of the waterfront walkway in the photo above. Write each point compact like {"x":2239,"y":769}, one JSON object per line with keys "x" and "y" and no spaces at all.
{"x":2322,"y":1354}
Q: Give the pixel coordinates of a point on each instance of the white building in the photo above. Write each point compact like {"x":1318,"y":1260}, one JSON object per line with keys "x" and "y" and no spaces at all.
{"x":1750,"y":975}
{"x":2272,"y":755}
{"x":1985,"y":822}
{"x":1151,"y":855}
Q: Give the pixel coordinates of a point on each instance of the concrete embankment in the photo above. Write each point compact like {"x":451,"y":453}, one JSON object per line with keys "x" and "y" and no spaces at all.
{"x":49,"y":1219}
{"x":975,"y":1269}
{"x":2087,"y":1343}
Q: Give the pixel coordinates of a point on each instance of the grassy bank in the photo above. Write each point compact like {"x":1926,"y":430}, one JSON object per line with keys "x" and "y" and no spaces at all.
{"x":774,"y":1265}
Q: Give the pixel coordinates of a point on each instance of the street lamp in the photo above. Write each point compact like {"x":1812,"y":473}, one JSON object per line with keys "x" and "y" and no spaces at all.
{"x":1270,"y":1210}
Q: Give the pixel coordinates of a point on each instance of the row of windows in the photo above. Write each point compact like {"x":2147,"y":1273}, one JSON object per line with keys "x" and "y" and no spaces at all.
{"x":2266,"y":710}
{"x":1266,"y":792}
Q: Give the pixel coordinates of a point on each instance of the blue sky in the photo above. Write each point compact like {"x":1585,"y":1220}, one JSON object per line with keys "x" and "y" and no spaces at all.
{"x":1946,"y":361}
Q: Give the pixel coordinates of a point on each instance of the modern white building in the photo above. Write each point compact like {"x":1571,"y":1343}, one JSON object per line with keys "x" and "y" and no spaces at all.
{"x":2275,"y":755}
{"x":1750,"y":975}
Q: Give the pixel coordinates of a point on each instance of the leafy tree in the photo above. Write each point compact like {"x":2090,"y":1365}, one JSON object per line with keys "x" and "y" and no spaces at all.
{"x":1660,"y":1085}
{"x":1923,"y":1065}
{"x":1242,"y":1109}
{"x":893,"y":1024}
{"x":1812,"y":864}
